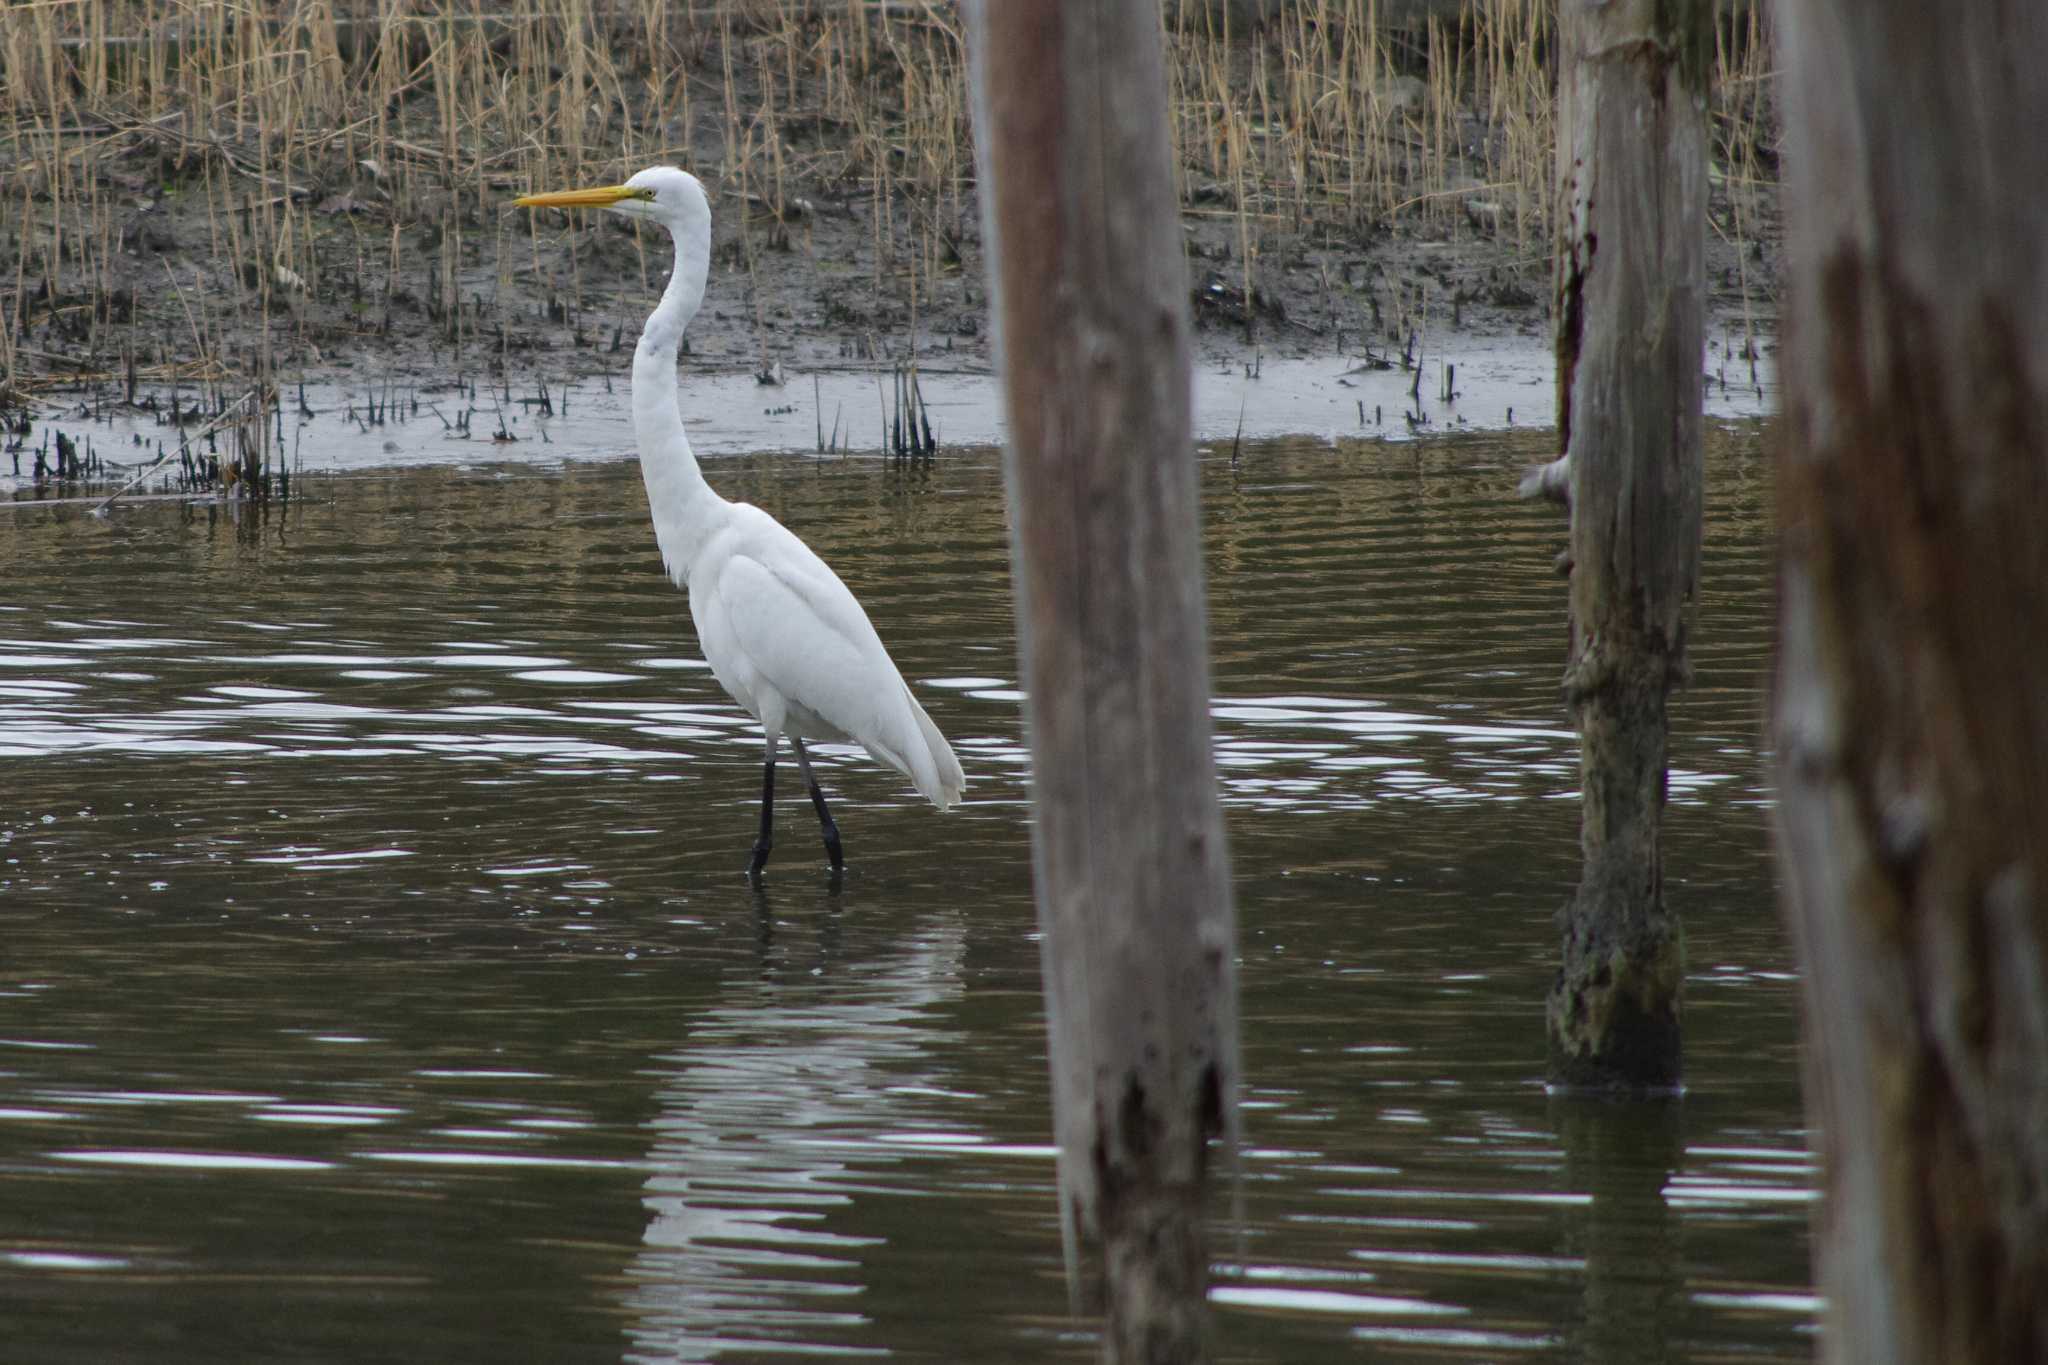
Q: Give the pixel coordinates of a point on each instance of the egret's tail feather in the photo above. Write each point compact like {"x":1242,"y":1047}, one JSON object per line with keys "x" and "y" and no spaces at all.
{"x":948,"y":780}
{"x":919,"y":751}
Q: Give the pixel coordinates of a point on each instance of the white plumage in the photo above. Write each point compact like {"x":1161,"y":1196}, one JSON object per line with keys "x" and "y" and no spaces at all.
{"x":792,"y":645}
{"x":782,"y":634}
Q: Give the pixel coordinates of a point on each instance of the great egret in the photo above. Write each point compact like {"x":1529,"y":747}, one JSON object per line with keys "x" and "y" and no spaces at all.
{"x":782,"y":634}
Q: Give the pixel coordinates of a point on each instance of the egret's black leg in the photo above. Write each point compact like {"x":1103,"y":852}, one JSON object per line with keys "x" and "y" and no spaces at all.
{"x":825,"y":824}
{"x":765,"y":841}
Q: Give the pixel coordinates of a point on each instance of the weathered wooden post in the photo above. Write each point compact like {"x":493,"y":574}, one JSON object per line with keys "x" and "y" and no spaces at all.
{"x":1911,"y":709}
{"x":1091,"y":303}
{"x":1631,"y":286}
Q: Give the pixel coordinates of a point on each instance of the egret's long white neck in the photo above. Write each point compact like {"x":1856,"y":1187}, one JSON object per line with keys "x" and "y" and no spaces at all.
{"x":683,"y":505}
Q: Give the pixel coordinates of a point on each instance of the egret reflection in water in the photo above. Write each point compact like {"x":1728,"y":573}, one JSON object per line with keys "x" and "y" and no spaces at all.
{"x":778,"y":1113}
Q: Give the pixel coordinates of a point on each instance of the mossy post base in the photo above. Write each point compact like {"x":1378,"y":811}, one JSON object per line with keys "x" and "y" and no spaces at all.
{"x":1614,"y":1007}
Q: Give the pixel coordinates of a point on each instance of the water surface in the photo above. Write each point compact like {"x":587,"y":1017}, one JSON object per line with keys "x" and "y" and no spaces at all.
{"x":370,"y":421}
{"x":380,"y":982}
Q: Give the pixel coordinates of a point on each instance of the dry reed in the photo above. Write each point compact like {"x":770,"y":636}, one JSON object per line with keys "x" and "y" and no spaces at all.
{"x":362,"y":151}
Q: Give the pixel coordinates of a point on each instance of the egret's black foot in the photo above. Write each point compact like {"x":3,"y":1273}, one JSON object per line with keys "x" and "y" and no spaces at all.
{"x":828,"y":829}
{"x":833,"y":851}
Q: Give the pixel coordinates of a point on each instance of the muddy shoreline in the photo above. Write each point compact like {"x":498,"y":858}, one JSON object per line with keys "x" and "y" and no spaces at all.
{"x":186,"y":240}
{"x":567,"y":303}
{"x":790,"y":355}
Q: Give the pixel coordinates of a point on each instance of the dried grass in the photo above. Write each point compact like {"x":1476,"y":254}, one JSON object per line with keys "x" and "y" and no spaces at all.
{"x":364,"y":148}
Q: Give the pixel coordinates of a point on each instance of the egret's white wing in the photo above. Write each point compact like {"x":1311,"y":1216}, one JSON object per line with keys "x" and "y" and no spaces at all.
{"x":711,"y":609}
{"x":803,"y":634}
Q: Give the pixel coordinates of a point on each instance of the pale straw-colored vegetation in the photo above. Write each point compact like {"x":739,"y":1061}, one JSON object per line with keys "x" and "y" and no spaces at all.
{"x":362,"y":151}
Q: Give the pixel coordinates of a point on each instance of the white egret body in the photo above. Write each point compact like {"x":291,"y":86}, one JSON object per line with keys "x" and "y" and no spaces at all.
{"x":782,"y":634}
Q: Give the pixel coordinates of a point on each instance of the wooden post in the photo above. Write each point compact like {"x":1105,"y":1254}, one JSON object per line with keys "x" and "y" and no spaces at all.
{"x":1631,"y":285}
{"x":1091,"y":304}
{"x":1911,"y":708}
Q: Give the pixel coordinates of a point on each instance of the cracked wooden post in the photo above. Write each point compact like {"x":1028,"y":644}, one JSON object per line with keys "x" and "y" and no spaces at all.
{"x":1090,"y":297}
{"x":1910,"y":716}
{"x":1631,"y":285}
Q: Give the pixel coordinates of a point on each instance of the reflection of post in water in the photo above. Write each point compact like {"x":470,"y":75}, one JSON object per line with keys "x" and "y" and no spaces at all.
{"x":1623,"y":1154}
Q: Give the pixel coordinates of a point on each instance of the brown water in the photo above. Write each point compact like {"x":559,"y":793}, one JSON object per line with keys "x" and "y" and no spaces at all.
{"x":379,"y":982}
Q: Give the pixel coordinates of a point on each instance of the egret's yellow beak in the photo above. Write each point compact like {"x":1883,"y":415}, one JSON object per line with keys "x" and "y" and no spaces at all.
{"x":601,"y":198}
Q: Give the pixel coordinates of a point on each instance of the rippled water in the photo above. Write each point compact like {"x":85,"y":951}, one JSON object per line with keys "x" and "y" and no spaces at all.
{"x":379,"y":981}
